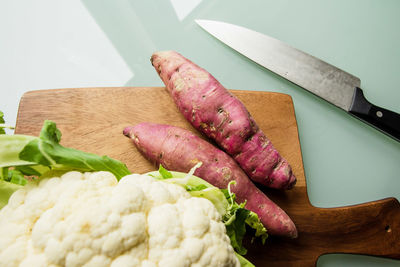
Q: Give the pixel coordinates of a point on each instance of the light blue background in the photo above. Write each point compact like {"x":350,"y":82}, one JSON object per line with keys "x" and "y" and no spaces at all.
{"x":60,"y":44}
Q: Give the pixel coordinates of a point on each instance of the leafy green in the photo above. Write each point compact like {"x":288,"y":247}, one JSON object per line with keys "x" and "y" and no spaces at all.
{"x":47,"y":151}
{"x":24,"y":156}
{"x":243,"y":261}
{"x":14,"y":176}
{"x":199,"y":187}
{"x":236,"y":229}
{"x":164,"y":172}
{"x":234,"y":215}
{"x":10,"y":146}
{"x":2,"y":131}
{"x":236,"y":219}
{"x":6,"y":190}
{"x":11,"y":167}
{"x":11,"y":179}
{"x":254,"y":222}
{"x":3,"y":125}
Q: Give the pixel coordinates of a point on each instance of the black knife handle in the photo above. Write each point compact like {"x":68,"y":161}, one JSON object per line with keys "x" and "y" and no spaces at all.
{"x":384,"y":120}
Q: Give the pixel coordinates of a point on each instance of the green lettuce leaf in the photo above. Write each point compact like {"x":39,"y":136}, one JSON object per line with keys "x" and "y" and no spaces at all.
{"x":6,"y":190}
{"x":236,"y":220}
{"x":236,"y":229}
{"x":14,"y":176}
{"x":10,"y":146}
{"x":165,"y":174}
{"x":3,"y":126}
{"x":47,"y":151}
{"x":2,"y":131}
{"x":23,"y":156}
{"x":254,"y":222}
{"x":243,"y":261}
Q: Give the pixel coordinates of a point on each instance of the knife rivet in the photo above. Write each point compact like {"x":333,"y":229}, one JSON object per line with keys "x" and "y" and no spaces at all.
{"x":379,"y":114}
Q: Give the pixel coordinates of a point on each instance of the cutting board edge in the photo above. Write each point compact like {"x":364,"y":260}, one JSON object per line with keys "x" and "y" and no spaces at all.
{"x":132,"y":87}
{"x":39,"y":91}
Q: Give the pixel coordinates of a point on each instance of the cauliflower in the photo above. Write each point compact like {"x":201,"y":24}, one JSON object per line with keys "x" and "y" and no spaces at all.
{"x":91,"y":219}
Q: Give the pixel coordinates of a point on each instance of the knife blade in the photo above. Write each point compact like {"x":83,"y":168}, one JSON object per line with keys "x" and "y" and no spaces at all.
{"x":334,"y":85}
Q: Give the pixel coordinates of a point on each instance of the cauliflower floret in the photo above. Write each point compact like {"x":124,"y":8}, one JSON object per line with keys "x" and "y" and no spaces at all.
{"x":91,"y":219}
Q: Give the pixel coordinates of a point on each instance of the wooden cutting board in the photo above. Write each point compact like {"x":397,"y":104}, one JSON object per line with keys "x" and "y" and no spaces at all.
{"x":92,"y":119}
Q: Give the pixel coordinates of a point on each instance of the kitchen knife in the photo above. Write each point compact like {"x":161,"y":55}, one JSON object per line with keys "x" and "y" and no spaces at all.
{"x":320,"y":78}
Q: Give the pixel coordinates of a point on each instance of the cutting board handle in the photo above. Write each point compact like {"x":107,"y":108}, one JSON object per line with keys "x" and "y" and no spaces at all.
{"x":371,"y":228}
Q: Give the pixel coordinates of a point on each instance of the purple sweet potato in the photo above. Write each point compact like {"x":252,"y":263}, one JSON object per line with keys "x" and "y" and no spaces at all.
{"x":178,"y":149}
{"x":214,"y":111}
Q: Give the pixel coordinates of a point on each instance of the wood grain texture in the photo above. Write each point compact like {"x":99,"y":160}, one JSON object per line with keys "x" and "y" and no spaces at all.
{"x":92,"y":119}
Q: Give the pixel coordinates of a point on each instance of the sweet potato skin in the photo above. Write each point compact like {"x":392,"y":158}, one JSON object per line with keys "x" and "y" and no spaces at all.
{"x":178,"y":149}
{"x":214,"y":111}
